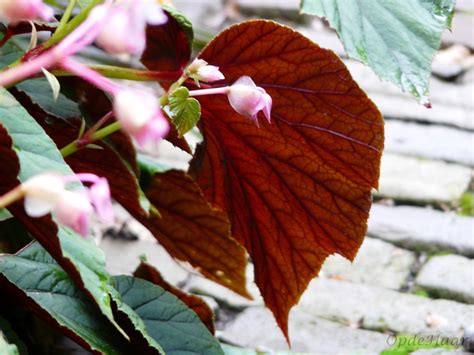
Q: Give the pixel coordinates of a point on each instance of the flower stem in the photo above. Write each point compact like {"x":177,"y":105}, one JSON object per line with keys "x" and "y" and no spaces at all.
{"x":83,"y":71}
{"x":213,"y":91}
{"x":100,"y":134}
{"x":66,"y":17}
{"x":115,"y":72}
{"x":71,"y":25}
{"x":11,"y":196}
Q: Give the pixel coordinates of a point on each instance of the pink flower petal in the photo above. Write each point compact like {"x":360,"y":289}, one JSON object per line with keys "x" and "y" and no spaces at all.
{"x":99,"y":194}
{"x":74,"y":210}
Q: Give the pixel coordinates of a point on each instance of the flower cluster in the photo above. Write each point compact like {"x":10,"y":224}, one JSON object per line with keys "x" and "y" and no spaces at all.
{"x":46,"y":193}
{"x":119,"y":27}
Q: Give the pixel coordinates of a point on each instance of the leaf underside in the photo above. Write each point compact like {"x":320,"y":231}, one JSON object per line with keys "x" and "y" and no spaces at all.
{"x":397,"y":39}
{"x":298,"y":189}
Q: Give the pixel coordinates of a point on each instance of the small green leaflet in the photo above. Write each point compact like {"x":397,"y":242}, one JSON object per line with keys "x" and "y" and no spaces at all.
{"x":397,"y":39}
{"x":185,"y":111}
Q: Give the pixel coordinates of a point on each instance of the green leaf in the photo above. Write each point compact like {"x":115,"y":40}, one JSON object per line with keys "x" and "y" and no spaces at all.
{"x":40,"y":93}
{"x":140,"y":340}
{"x":185,"y":110}
{"x":37,"y":279}
{"x":9,"y":52}
{"x":397,"y":39}
{"x":4,"y":214}
{"x":37,"y":153}
{"x":168,"y":320}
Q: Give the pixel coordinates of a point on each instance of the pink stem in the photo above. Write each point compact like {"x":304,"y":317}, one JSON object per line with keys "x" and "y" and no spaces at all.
{"x":90,"y":75}
{"x":222,"y":90}
{"x":82,"y":36}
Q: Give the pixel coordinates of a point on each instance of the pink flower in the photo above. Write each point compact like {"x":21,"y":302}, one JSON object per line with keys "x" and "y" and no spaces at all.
{"x":24,"y":10}
{"x":47,"y":193}
{"x":74,"y":210}
{"x":140,"y":115}
{"x":201,"y":71}
{"x":248,"y":99}
{"x":99,"y":196}
{"x":125,"y":30}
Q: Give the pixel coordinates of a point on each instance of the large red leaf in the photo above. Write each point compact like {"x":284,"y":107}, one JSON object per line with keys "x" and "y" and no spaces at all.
{"x":298,"y":189}
{"x":168,"y":46}
{"x":9,"y":163}
{"x":193,"y":231}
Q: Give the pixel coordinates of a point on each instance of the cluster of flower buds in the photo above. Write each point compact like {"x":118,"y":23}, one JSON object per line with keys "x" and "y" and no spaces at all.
{"x":46,"y":193}
{"x":119,"y":27}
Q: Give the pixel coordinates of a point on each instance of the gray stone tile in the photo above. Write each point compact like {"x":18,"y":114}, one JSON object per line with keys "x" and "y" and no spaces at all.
{"x":429,"y":141}
{"x":377,"y":263}
{"x":448,"y":276}
{"x":422,"y":229}
{"x":423,"y":181}
{"x":255,"y":327}
{"x":383,"y":309}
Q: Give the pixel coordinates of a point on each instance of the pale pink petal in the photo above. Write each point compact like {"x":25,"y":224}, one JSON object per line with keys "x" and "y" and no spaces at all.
{"x":42,"y":192}
{"x":74,"y":210}
{"x":248,"y":99}
{"x":99,"y":194}
{"x":153,"y":132}
{"x":37,"y":207}
{"x":209,"y":74}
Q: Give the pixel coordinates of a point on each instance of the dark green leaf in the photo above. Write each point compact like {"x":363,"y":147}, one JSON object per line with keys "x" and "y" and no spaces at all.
{"x":185,"y":110}
{"x":40,"y":93}
{"x":37,"y":153}
{"x":34,"y":276}
{"x":131,"y":322}
{"x":169,"y":321}
{"x":397,"y":39}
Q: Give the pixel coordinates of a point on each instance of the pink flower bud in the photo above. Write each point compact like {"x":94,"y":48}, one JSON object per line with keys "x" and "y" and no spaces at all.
{"x":125,"y":30}
{"x":99,"y":195}
{"x":74,"y":210}
{"x":248,"y":99}
{"x":201,"y":71}
{"x":42,"y":193}
{"x":24,"y":10}
{"x":141,"y":116}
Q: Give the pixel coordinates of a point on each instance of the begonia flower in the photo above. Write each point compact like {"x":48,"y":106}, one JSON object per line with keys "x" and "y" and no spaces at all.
{"x":140,"y":114}
{"x":125,"y":29}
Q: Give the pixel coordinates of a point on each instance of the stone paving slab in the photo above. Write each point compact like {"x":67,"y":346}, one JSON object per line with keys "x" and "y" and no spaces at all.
{"x":448,"y":276}
{"x":429,"y":141}
{"x":255,"y":327}
{"x":202,"y":286}
{"x":377,"y":263}
{"x":122,"y":257}
{"x":422,"y":181}
{"x":421,"y":228}
{"x":452,"y":103}
{"x":382,"y":309}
